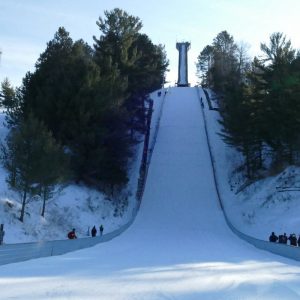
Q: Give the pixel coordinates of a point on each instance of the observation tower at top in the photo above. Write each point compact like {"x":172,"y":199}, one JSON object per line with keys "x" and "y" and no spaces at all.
{"x":183,"y":64}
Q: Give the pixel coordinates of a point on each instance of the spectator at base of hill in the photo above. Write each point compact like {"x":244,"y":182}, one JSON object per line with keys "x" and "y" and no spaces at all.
{"x":273,"y":237}
{"x":282,"y":239}
{"x":72,"y":234}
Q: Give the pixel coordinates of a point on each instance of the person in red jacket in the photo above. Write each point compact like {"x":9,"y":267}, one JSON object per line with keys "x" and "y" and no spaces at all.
{"x":72,"y":234}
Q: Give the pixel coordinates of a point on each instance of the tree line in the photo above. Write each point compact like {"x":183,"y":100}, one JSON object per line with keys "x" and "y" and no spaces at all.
{"x":80,"y":113}
{"x":259,"y":99}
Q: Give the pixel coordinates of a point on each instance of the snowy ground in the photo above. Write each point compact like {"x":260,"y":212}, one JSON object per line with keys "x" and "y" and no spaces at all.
{"x":179,"y":246}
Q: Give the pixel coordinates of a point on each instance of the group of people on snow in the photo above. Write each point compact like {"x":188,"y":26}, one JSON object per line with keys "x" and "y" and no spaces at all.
{"x":283,"y":239}
{"x":94,"y":230}
{"x":72,"y":234}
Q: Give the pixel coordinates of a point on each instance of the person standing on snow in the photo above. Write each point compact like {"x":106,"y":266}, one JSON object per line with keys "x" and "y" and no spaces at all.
{"x":293,"y":239}
{"x":2,"y":233}
{"x":282,"y":239}
{"x":72,"y":234}
{"x":273,"y":237}
{"x":298,"y":241}
{"x":285,"y":238}
{"x":94,"y":231}
{"x":101,"y":228}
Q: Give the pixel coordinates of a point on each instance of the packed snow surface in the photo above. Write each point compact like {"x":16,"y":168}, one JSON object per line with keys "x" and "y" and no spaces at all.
{"x":179,"y":246}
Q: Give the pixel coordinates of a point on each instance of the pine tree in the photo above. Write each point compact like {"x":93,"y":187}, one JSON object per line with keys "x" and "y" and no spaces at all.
{"x":140,"y":66}
{"x":93,"y":100}
{"x":204,"y":64}
{"x":280,"y":126}
{"x":27,"y":148}
{"x":7,"y":93}
{"x":224,"y":67}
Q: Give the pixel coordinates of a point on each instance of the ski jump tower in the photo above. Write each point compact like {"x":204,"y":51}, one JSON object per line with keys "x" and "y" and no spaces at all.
{"x":183,"y":64}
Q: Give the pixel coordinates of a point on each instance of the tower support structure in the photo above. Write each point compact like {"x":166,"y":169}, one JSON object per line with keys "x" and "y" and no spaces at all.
{"x":183,"y":49}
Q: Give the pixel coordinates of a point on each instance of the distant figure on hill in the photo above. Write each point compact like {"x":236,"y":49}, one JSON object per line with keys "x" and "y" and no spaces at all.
{"x":283,"y":239}
{"x":202,"y":104}
{"x":94,"y":231}
{"x":293,"y":239}
{"x":273,"y":237}
{"x":101,"y":228}
{"x":72,"y":234}
{"x":2,"y":233}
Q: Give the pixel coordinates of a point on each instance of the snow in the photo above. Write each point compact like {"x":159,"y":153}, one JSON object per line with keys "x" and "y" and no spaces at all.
{"x":179,"y":246}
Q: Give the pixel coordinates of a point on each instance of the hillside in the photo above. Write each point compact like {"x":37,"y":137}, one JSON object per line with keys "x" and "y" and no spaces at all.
{"x":179,"y":246}
{"x":270,"y":204}
{"x":258,"y":208}
{"x":73,"y":206}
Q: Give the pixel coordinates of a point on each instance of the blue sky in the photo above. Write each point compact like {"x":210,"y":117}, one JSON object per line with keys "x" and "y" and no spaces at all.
{"x":26,"y":26}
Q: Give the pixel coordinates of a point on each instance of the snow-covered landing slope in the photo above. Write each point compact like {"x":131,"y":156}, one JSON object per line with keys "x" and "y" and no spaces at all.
{"x":179,"y":246}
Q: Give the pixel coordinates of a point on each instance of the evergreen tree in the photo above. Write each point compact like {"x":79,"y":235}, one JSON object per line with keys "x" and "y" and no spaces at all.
{"x":141,"y":64}
{"x":224,"y":66}
{"x":281,"y":125}
{"x":260,"y":104}
{"x":27,"y":148}
{"x":224,"y":60}
{"x":7,"y":93}
{"x":12,"y":100}
{"x":69,"y":95}
{"x":53,"y":168}
{"x":146,"y":75}
{"x":204,"y":65}
{"x":93,"y":100}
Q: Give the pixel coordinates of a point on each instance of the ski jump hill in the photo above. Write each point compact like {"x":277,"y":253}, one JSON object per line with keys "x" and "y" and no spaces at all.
{"x":178,"y":247}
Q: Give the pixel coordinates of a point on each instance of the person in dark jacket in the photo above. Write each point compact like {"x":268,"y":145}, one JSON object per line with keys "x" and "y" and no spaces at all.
{"x":101,"y":228}
{"x":72,"y":234}
{"x":94,"y":231}
{"x":298,"y":241}
{"x":293,"y":239}
{"x":2,"y":233}
{"x":282,"y":239}
{"x":285,"y":238}
{"x":273,"y":237}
